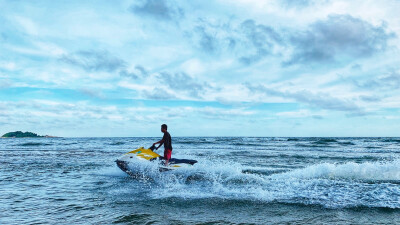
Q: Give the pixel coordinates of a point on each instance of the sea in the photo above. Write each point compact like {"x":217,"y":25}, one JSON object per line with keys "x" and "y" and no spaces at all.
{"x":237,"y":180}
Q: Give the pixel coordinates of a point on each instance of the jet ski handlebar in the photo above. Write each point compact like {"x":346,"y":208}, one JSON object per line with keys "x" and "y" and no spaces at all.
{"x":152,"y":148}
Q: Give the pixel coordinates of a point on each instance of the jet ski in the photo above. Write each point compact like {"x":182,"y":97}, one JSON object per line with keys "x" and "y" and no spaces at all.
{"x":149,"y":154}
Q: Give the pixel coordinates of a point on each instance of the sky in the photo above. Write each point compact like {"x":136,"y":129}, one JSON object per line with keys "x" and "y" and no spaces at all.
{"x":205,"y":68}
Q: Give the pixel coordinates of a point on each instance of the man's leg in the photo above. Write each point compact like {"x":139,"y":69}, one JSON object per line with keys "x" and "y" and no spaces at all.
{"x":167,"y":156}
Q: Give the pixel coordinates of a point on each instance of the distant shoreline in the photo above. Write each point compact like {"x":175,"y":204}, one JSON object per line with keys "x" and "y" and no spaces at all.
{"x":46,"y":136}
{"x":20,"y":134}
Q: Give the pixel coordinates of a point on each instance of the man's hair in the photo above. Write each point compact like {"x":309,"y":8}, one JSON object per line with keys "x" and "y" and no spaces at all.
{"x":164,"y":126}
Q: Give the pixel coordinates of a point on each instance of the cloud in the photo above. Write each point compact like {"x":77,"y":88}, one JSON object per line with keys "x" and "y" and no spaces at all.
{"x":84,"y":115}
{"x":207,"y":41}
{"x":338,"y":37}
{"x":10,"y":66}
{"x":158,"y":94}
{"x":92,"y":93}
{"x":386,"y":82}
{"x":248,"y":40}
{"x":262,"y":38}
{"x":168,"y":86}
{"x":5,"y":83}
{"x":367,"y":98}
{"x":94,"y":61}
{"x":125,"y":73}
{"x":301,"y":3}
{"x":158,"y":9}
{"x":43,"y":109}
{"x":142,"y":70}
{"x":183,"y":82}
{"x":213,"y":36}
{"x":27,"y":25}
{"x":223,"y":114}
{"x":320,"y":100}
{"x":103,"y":61}
{"x":303,"y":113}
{"x":138,"y":72}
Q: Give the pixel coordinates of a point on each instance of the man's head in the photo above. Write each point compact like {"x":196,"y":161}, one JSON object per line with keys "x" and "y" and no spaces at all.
{"x":164,"y":128}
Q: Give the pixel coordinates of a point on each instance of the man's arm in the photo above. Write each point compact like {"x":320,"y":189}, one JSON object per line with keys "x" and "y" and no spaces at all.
{"x":161,"y":142}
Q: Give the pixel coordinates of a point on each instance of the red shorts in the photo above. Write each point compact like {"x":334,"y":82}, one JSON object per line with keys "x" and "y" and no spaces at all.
{"x":167,"y":154}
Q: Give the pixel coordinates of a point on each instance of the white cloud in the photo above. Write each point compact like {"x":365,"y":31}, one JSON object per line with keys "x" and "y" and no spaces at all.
{"x":134,"y":86}
{"x":303,"y":113}
{"x":27,"y":25}
{"x":8,"y":65}
{"x":193,"y":66}
{"x":49,"y":48}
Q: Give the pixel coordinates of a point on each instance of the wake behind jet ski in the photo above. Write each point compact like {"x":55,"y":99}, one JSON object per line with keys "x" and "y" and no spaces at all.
{"x":149,"y":155}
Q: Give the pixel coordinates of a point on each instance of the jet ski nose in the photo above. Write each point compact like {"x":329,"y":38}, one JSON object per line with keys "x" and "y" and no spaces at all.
{"x":123,"y":165}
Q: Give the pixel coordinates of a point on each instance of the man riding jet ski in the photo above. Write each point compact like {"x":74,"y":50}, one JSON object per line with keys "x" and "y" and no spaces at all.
{"x":167,"y":142}
{"x":148,"y":154}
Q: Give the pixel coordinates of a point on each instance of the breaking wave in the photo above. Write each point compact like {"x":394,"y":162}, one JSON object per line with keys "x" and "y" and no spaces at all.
{"x":368,"y":171}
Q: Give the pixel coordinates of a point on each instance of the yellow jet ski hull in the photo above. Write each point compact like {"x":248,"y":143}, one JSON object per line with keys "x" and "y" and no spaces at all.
{"x":147,"y":154}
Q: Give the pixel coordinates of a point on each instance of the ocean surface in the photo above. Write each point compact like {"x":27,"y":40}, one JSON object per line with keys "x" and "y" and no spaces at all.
{"x":238,"y":180}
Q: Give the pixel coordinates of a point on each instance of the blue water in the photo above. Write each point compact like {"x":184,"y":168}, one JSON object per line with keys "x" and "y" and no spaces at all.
{"x":237,"y":180}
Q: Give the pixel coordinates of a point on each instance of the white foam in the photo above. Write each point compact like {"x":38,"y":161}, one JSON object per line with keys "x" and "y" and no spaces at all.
{"x":371,"y":171}
{"x":330,"y":185}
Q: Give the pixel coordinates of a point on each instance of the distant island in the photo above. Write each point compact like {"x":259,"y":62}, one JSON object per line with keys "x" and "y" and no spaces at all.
{"x":20,"y":134}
